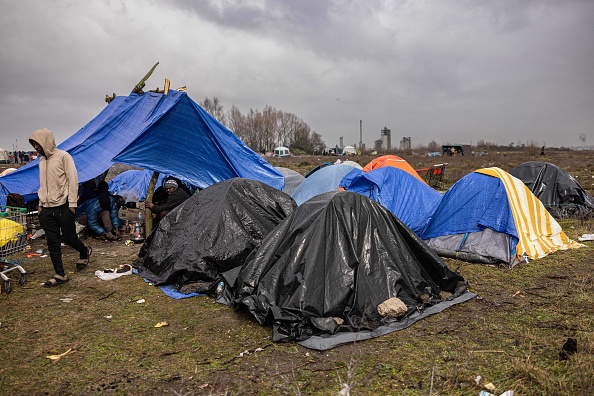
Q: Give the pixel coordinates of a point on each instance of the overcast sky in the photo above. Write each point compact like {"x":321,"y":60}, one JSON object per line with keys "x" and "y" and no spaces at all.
{"x":443,"y":70}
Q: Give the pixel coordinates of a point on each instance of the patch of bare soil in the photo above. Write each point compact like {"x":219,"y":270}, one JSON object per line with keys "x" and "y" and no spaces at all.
{"x":112,"y":343}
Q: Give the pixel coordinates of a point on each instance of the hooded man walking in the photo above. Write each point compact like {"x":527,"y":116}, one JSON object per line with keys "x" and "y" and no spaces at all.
{"x":58,"y":190}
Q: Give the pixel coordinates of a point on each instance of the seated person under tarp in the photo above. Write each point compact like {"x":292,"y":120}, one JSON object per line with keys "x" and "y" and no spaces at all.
{"x":211,"y":232}
{"x":86,"y":191}
{"x":171,"y":196}
{"x":101,"y":214}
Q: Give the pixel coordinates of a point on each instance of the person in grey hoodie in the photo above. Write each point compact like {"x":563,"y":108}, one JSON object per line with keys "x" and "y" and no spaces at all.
{"x":58,"y":193}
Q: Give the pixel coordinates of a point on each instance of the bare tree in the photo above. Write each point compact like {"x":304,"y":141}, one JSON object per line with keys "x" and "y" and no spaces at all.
{"x":254,"y":127}
{"x":433,"y":146}
{"x":301,"y":137}
{"x":236,"y":122}
{"x":214,"y":108}
{"x":269,"y":128}
{"x":263,"y":130}
{"x":317,"y":142}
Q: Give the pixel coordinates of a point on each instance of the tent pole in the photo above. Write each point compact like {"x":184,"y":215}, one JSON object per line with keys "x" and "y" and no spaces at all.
{"x":148,"y":215}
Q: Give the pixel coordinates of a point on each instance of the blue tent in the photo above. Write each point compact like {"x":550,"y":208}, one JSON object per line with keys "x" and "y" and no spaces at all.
{"x":489,"y":216}
{"x":170,"y":134}
{"x":411,"y":200}
{"x":474,"y":202}
{"x":474,"y":221}
{"x":325,"y":179}
{"x":132,"y":185}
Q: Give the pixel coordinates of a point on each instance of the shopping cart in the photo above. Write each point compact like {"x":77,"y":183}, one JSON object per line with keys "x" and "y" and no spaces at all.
{"x":13,"y":239}
{"x":434,"y":175}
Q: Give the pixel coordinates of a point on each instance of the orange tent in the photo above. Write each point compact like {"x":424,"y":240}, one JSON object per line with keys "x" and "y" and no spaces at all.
{"x":394,"y":161}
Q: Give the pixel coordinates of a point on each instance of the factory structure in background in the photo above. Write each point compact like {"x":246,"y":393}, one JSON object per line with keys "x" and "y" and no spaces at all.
{"x":385,"y":141}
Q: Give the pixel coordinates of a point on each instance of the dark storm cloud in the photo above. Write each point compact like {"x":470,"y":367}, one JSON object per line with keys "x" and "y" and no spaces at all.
{"x":441,"y":70}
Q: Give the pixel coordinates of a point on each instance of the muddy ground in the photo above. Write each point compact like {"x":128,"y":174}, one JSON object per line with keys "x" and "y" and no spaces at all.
{"x":509,"y":336}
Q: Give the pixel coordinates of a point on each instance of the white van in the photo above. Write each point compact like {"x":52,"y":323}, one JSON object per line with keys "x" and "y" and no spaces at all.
{"x":281,"y":152}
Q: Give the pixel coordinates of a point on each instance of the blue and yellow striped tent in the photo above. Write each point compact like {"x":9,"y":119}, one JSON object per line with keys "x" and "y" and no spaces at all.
{"x":490,"y":216}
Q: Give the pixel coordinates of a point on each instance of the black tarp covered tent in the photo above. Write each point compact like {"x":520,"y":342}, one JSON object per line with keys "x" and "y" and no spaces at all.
{"x":339,"y":255}
{"x":559,"y":192}
{"x":211,"y":232}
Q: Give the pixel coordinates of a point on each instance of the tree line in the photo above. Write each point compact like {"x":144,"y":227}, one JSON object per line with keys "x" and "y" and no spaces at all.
{"x":264,"y":130}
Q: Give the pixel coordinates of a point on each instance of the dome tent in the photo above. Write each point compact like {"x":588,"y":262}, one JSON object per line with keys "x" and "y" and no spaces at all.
{"x":558,"y":191}
{"x":281,"y":151}
{"x":319,"y":276}
{"x":349,"y":150}
{"x":322,"y":180}
{"x":412,"y":201}
{"x":212,"y":231}
{"x":394,"y":161}
{"x":489,"y":216}
{"x":292,"y":179}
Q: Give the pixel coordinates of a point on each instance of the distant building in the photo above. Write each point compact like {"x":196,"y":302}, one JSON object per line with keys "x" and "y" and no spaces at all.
{"x":405,"y":143}
{"x":377,"y":145}
{"x":386,"y":138}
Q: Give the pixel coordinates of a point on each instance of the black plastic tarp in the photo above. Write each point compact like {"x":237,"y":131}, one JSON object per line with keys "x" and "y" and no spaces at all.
{"x":211,"y":232}
{"x":559,"y":192}
{"x":339,"y":255}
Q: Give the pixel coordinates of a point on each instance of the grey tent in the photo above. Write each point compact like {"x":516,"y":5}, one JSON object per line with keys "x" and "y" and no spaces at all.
{"x":292,"y":179}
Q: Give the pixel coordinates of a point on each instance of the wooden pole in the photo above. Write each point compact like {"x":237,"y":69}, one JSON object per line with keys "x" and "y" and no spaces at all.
{"x":148,"y":215}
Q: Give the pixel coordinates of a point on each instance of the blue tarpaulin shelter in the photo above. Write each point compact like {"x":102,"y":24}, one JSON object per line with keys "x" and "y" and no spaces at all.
{"x":170,"y":134}
{"x":411,"y":200}
{"x":132,"y":185}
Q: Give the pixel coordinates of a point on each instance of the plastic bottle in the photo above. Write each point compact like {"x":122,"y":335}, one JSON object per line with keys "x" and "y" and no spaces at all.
{"x":141,"y":217}
{"x":220,"y":287}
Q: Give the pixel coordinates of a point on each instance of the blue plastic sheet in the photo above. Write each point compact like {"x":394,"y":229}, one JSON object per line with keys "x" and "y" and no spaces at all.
{"x":170,"y":134}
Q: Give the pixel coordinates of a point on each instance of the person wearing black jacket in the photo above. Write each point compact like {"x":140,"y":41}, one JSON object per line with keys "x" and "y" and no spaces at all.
{"x":175,"y":196}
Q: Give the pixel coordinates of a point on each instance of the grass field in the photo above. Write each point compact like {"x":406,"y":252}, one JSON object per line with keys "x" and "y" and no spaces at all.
{"x":510,"y":335}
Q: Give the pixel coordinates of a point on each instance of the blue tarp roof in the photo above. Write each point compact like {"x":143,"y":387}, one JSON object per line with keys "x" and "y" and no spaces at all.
{"x":411,"y":200}
{"x":170,"y":134}
{"x":132,"y":185}
{"x":473,"y":203}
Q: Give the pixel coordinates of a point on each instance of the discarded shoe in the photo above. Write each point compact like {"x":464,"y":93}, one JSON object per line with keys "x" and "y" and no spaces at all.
{"x":56,"y":281}
{"x":124,"y":268}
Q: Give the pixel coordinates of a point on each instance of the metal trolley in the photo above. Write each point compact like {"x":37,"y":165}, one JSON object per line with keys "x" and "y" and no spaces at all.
{"x":13,"y":239}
